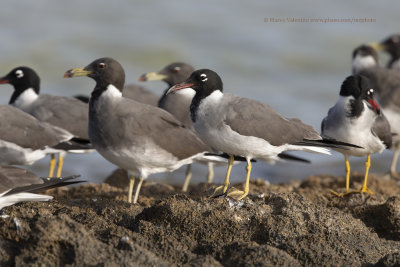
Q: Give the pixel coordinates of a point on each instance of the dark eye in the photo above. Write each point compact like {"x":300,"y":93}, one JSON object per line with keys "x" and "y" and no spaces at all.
{"x":102,"y":65}
{"x":176,"y":69}
{"x":203,"y":77}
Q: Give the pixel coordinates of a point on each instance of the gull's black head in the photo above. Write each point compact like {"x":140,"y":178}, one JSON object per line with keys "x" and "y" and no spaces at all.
{"x":392,"y":45}
{"x":364,"y":57}
{"x":203,"y":81}
{"x":172,"y":74}
{"x":358,"y":87}
{"x":22,"y":78}
{"x":104,"y":71}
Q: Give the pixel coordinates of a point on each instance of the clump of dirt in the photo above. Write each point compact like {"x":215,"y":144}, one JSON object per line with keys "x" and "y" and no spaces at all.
{"x":299,"y":223}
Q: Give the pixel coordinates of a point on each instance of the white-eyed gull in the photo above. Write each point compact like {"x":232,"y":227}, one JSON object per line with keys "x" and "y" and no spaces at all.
{"x":139,"y":138}
{"x":64,"y":112}
{"x":244,"y":127}
{"x":356,"y":118}
{"x":386,"y":84}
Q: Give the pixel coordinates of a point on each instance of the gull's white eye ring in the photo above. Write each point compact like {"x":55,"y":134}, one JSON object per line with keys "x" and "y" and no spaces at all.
{"x":19,"y":73}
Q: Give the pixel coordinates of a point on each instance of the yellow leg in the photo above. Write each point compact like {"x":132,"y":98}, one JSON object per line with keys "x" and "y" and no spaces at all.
{"x":52,"y":165}
{"x":346,"y":158}
{"x":131,"y":184}
{"x":237,"y":194}
{"x":220,"y":190}
{"x":60,"y":165}
{"x":187,"y":179}
{"x":347,"y":175}
{"x":210,"y":176}
{"x":364,"y":187}
{"x":138,"y":190}
{"x":394,"y":161}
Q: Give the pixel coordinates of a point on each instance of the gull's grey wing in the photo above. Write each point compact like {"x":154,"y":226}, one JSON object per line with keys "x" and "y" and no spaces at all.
{"x":252,"y":118}
{"x":381,"y":128}
{"x":140,"y":94}
{"x":134,"y":123}
{"x":26,"y":131}
{"x":68,"y":113}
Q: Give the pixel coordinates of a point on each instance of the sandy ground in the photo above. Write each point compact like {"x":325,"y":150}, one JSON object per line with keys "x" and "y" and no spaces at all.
{"x":299,"y":223}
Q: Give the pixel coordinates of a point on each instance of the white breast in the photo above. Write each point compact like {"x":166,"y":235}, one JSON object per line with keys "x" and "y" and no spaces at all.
{"x":214,"y":132}
{"x":363,"y":62}
{"x":25,"y":99}
{"x":355,"y":131}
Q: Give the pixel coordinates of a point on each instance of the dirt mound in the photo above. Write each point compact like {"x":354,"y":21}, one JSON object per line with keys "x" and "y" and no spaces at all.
{"x":293,"y":224}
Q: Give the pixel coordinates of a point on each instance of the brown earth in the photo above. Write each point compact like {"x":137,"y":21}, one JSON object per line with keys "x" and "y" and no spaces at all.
{"x":299,"y":223}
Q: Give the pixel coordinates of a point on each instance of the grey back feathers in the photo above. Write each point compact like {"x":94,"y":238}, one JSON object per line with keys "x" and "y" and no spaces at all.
{"x":252,"y":118}
{"x":140,"y":94}
{"x":131,"y":123}
{"x":24,"y":130}
{"x":381,"y":129}
{"x":68,"y":113}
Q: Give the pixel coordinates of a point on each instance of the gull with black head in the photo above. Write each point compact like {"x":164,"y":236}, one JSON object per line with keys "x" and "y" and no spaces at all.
{"x":386,"y":85}
{"x":178,"y":104}
{"x":139,"y":138}
{"x":67,"y":113}
{"x":356,"y":118}
{"x":244,"y":127}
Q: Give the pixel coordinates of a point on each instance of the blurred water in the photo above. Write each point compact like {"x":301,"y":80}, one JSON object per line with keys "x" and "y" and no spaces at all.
{"x":296,"y":68}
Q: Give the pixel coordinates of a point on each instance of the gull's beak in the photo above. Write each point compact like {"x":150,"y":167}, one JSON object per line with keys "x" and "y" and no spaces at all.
{"x":4,"y":80}
{"x":374,"y":105}
{"x":78,"y":72}
{"x":377,"y":46}
{"x":179,"y":86}
{"x":152,"y":76}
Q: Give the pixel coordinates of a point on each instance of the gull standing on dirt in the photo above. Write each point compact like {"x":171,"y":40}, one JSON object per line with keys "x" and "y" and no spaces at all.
{"x":244,"y":127}
{"x":356,"y":118}
{"x":386,"y":85}
{"x":136,"y":137}
{"x":67,"y":113}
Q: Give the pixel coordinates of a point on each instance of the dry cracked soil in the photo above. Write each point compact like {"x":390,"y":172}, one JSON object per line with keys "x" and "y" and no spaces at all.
{"x":294,"y":224}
